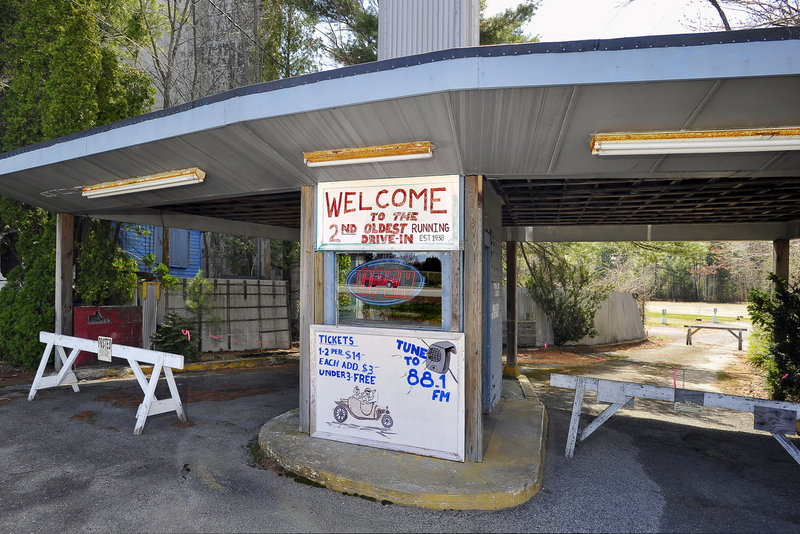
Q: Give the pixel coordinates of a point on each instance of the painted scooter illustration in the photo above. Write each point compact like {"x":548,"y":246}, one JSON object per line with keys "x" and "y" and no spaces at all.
{"x":362,"y":406}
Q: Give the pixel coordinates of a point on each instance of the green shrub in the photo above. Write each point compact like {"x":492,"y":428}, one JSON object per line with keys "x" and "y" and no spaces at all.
{"x":567,"y":294}
{"x":105,"y":273}
{"x":171,"y":336}
{"x":27,"y":302}
{"x":777,"y":314}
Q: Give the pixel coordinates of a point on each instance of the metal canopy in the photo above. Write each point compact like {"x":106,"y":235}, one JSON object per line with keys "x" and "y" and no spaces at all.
{"x":521,"y":115}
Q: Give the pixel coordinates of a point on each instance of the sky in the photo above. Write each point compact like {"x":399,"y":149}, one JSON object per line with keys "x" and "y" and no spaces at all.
{"x":567,"y":20}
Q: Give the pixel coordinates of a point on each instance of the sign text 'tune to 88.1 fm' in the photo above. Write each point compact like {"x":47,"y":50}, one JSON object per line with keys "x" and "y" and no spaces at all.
{"x":407,"y":214}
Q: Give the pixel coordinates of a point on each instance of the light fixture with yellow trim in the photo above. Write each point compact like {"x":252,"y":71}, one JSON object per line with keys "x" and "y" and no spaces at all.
{"x":145,"y":183}
{"x":696,"y":142}
{"x":369,"y":154}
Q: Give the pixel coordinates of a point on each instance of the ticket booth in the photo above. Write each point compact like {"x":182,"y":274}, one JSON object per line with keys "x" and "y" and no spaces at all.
{"x":399,"y":352}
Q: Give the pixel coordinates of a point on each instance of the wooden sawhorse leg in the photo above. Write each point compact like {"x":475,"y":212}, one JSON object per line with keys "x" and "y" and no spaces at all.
{"x":65,"y":377}
{"x":151,"y":405}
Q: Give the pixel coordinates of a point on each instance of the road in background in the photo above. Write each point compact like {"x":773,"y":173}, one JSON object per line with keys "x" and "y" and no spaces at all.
{"x":699,"y":308}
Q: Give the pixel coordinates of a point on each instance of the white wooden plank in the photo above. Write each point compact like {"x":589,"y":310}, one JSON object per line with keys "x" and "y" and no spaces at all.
{"x":173,"y":391}
{"x":602,"y":418}
{"x":571,"y":382}
{"x":746,"y":404}
{"x":40,"y":371}
{"x":788,"y":445}
{"x":118,"y":351}
{"x":608,"y":391}
{"x":162,"y":406}
{"x":149,"y":397}
{"x":574,"y":421}
{"x":767,"y":412}
{"x":629,"y":389}
{"x":137,"y":372}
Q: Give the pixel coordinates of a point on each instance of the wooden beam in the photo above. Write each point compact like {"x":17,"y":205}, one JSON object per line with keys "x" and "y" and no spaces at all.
{"x":511,"y":368}
{"x":319,"y":288}
{"x":65,"y":252}
{"x":473,"y":315}
{"x":308,"y":269}
{"x":780,"y":258}
{"x":455,"y":291}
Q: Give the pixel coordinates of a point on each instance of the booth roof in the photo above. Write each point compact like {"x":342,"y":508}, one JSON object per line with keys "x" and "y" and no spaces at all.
{"x":521,"y":115}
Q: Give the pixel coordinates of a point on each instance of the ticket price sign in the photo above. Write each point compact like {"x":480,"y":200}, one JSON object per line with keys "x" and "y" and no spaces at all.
{"x":398,"y":214}
{"x":389,"y":388}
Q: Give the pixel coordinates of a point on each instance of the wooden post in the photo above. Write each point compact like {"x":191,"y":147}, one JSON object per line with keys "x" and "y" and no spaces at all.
{"x":511,"y":369}
{"x":65,"y":251}
{"x":165,"y":245}
{"x":308,"y":290}
{"x":780,"y":258}
{"x":455,"y":291}
{"x":473,"y":315}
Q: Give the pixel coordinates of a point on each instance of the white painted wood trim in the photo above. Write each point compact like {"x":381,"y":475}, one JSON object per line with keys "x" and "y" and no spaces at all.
{"x":174,"y":361}
{"x":160,"y":360}
{"x":614,"y":388}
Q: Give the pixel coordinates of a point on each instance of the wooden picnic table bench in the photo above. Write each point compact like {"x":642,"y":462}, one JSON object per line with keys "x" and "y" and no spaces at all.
{"x":736,"y":331}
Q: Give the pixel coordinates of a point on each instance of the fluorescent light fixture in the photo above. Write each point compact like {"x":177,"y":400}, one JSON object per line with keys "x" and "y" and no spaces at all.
{"x":145,"y":183}
{"x":369,"y":154}
{"x":696,"y":142}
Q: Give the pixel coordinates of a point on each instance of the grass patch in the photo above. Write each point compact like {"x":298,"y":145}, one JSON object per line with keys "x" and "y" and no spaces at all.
{"x":722,"y":376}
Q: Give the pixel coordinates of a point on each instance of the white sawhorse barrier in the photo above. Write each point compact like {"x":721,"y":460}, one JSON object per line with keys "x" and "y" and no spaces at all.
{"x":159,"y":360}
{"x":776,"y":417}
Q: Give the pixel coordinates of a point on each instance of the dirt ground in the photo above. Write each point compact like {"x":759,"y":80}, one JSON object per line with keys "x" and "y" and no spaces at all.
{"x":711,"y":363}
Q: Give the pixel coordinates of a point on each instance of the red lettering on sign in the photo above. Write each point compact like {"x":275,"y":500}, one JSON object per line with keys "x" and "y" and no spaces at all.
{"x":434,"y":199}
{"x":394,"y":197}
{"x":378,"y":199}
{"x":348,"y":201}
{"x":334,"y":204}
{"x":361,"y":205}
{"x":422,"y":194}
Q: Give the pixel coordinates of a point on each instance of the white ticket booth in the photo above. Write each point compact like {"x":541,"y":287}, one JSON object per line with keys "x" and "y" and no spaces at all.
{"x":386,"y":357}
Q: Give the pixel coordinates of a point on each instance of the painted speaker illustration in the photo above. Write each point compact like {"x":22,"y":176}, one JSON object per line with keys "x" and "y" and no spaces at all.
{"x":438,"y":359}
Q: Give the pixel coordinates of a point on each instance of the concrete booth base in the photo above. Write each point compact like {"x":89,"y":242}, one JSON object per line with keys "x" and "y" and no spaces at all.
{"x":510,"y":473}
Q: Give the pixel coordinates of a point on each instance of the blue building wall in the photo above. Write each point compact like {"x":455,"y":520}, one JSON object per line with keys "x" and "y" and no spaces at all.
{"x":185,"y":248}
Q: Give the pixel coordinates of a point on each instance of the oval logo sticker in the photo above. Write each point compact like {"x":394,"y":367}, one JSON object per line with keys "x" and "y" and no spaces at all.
{"x":384,"y":282}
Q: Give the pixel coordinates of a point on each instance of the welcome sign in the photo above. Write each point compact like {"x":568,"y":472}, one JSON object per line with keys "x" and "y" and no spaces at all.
{"x":416,"y":214}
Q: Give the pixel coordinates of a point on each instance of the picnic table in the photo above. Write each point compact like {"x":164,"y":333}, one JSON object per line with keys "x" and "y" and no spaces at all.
{"x":736,"y":331}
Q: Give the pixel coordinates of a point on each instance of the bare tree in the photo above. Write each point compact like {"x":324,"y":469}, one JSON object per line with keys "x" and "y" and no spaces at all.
{"x":165,"y":22}
{"x":767,"y":13}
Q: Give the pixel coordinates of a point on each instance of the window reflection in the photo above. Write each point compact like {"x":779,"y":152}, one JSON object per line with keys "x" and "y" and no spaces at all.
{"x":400,"y":290}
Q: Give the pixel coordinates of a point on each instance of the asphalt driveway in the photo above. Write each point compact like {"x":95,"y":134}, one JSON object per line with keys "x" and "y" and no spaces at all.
{"x":70,"y":462}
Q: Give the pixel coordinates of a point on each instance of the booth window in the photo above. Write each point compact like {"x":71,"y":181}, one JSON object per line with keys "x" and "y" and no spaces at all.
{"x":397,"y":290}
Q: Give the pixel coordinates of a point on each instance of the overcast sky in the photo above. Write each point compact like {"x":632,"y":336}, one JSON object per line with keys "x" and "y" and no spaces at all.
{"x":567,"y":20}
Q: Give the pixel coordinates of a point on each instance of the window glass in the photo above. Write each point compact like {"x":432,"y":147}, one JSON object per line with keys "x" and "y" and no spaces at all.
{"x":398,"y":290}
{"x":178,"y":248}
